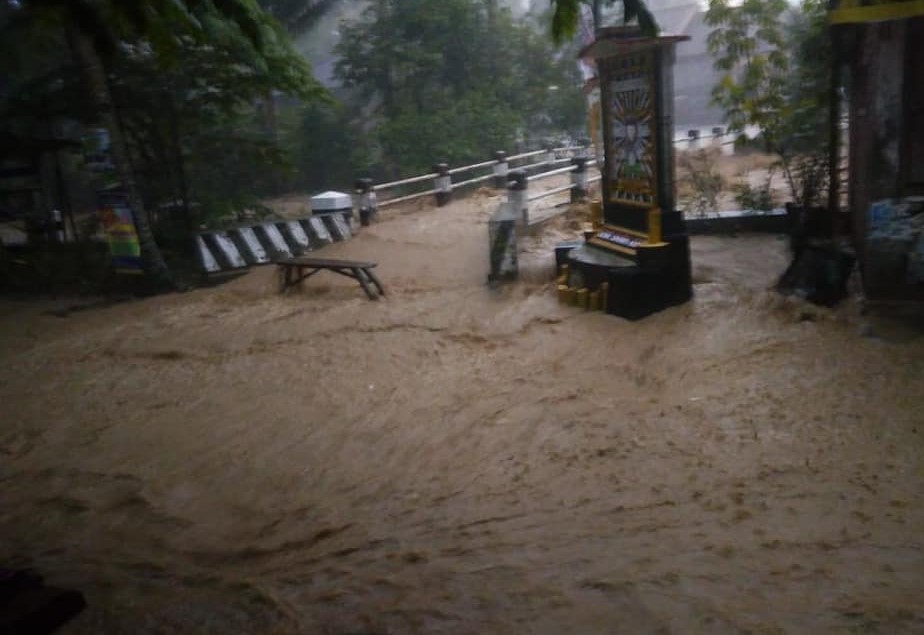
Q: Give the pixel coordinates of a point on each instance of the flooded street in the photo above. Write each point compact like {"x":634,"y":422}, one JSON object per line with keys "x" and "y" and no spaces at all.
{"x":456,"y":459}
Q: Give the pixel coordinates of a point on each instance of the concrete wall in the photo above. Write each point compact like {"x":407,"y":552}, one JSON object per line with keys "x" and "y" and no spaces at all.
{"x":743,"y":224}
{"x":877,"y":118}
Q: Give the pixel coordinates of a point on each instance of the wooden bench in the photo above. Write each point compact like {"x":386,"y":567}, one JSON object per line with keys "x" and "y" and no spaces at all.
{"x":296,"y":270}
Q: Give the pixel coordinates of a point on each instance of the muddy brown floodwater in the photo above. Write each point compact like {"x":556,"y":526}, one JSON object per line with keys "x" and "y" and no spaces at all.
{"x":456,"y":459}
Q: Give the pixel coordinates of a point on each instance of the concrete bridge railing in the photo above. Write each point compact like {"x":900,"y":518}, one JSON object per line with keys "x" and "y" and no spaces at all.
{"x":263,"y":242}
{"x":445,"y":182}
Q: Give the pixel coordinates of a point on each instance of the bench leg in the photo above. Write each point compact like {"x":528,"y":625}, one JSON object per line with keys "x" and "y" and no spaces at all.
{"x":359,"y":275}
{"x":295,"y":275}
{"x":375,"y":281}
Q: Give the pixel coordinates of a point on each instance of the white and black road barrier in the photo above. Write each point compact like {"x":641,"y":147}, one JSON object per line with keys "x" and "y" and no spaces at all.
{"x":442,"y":183}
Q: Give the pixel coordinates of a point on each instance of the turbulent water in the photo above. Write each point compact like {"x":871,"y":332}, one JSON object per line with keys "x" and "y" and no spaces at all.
{"x":456,"y":459}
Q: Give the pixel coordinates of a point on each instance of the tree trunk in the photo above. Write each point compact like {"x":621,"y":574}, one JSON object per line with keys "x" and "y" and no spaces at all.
{"x":269,"y":112}
{"x":190,"y":217}
{"x":97,"y":84}
{"x":64,"y":197}
{"x":834,"y":129}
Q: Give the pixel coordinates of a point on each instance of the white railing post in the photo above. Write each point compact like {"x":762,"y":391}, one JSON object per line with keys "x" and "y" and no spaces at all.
{"x":442,"y":184}
{"x":365,"y":201}
{"x":579,"y":179}
{"x":57,"y":226}
{"x":517,"y":195}
{"x":502,"y":240}
{"x":693,"y":138}
{"x":500,"y":169}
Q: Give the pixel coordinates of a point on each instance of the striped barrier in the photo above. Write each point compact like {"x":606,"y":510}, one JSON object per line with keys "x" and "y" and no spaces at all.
{"x":317,"y":231}
{"x":260,"y":244}
{"x":247,"y":243}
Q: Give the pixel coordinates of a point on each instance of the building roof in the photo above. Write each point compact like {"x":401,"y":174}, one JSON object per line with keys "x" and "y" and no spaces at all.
{"x":620,"y":40}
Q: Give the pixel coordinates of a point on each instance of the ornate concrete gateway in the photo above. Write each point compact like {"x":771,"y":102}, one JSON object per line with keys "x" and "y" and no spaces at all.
{"x":637,"y":260}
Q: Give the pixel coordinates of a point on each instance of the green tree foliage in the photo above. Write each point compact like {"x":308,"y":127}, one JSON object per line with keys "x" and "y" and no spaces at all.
{"x":747,"y":45}
{"x":237,"y":44}
{"x":193,"y":130}
{"x":808,"y":90}
{"x":297,"y":16}
{"x":776,"y":64}
{"x":453,"y":80}
{"x":35,"y":88}
{"x":328,"y":152}
{"x":566,"y":15}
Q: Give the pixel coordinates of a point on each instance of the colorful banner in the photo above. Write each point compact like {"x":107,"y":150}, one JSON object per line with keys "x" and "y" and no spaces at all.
{"x":633,"y":153}
{"x":124,"y":246}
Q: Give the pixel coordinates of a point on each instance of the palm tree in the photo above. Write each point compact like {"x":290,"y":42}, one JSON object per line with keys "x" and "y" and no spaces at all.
{"x":567,"y":12}
{"x":94,"y":29}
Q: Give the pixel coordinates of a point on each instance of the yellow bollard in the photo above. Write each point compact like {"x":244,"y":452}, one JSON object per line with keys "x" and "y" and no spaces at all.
{"x":593,"y":300}
{"x":654,"y":226}
{"x":582,"y":297}
{"x":596,"y":213}
{"x":562,"y":275}
{"x":588,"y":231}
{"x":562,"y":294}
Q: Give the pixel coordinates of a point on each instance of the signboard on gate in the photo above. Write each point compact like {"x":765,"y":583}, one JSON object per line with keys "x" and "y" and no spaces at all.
{"x":632,"y":122}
